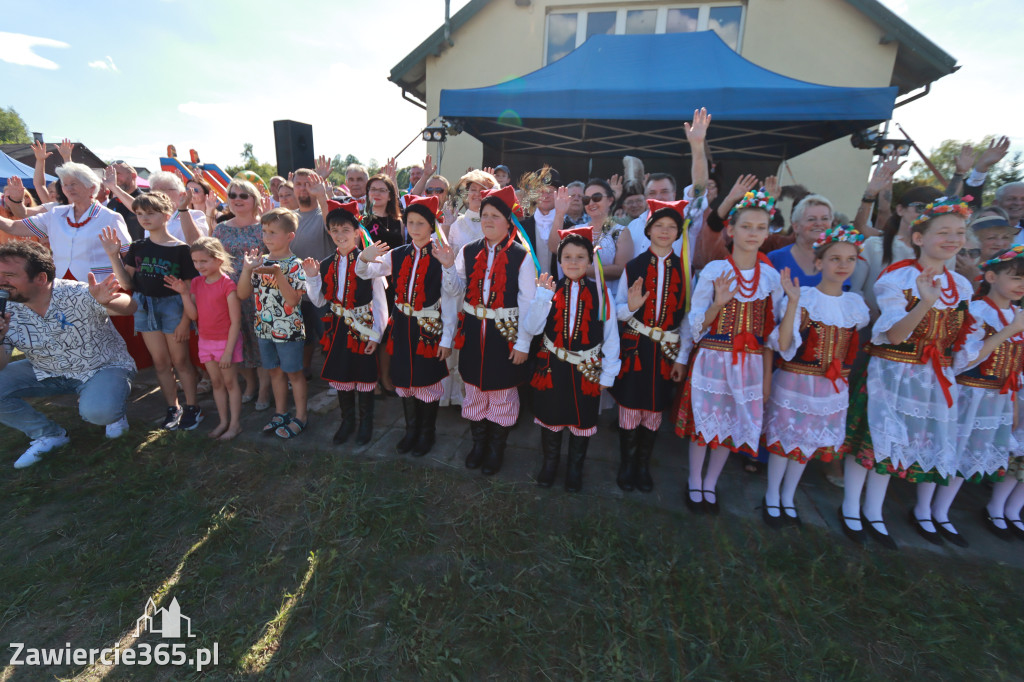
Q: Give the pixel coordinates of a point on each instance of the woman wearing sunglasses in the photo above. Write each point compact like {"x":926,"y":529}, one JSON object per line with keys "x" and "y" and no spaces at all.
{"x":612,"y":243}
{"x":438,"y":186}
{"x":239,"y":234}
{"x":204,"y":200}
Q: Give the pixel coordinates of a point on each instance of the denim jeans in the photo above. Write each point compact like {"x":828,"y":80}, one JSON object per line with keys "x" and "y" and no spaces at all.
{"x":101,"y":399}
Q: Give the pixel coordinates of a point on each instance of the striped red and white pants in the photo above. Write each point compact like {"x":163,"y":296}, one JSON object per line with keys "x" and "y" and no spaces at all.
{"x":629,"y":419}
{"x":500,"y":407}
{"x":426,"y":394}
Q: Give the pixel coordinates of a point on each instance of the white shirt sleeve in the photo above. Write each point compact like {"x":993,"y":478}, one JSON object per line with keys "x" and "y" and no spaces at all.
{"x":380,"y":308}
{"x":537,"y":316}
{"x":527,"y":292}
{"x":622,"y":311}
{"x":453,"y":279}
{"x":449,"y":318}
{"x":366,"y":270}
{"x":611,"y":363}
{"x":314,"y":289}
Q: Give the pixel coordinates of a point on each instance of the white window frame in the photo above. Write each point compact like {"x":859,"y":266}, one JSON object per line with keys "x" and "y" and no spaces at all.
{"x":660,"y":22}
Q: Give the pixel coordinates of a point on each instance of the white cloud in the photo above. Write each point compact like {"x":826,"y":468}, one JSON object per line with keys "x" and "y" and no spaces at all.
{"x":106,"y":64}
{"x":18,"y":48}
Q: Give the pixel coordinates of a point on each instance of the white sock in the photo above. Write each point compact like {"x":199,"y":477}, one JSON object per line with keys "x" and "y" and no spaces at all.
{"x":923,"y":509}
{"x":996,"y":506}
{"x":944,"y":497}
{"x":854,"y":476}
{"x":697,"y":453}
{"x":776,"y":470}
{"x":794,"y":471}
{"x":874,"y":496}
{"x":1014,"y":504}
{"x":715,"y":465}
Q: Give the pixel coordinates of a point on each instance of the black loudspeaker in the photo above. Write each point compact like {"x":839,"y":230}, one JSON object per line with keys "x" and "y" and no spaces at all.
{"x":294,"y":143}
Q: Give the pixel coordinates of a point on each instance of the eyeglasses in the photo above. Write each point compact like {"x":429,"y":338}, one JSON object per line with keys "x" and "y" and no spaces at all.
{"x":434,"y":190}
{"x":595,"y":197}
{"x":238,"y":195}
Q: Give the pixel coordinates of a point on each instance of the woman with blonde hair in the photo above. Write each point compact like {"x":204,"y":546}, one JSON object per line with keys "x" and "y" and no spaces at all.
{"x":239,"y":234}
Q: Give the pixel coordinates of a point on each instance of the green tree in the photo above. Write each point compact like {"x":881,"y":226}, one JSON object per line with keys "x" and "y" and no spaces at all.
{"x":12,"y":128}
{"x":944,"y":158}
{"x":251,"y":163}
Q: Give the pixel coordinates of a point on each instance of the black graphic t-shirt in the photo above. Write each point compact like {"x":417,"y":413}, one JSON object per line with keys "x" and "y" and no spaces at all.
{"x":153,"y":261}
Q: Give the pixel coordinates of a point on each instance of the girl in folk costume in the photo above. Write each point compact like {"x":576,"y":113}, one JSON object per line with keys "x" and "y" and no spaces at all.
{"x":650,"y":301}
{"x":732,"y":314}
{"x":909,"y":398}
{"x":805,"y":415}
{"x":353,"y":327}
{"x":580,"y":354}
{"x":423,"y":320}
{"x":1003,"y":512}
{"x":988,"y":390}
{"x":495,"y":278}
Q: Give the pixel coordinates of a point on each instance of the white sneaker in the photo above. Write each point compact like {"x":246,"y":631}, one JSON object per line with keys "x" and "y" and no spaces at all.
{"x":117,"y":429}
{"x":39,"y":447}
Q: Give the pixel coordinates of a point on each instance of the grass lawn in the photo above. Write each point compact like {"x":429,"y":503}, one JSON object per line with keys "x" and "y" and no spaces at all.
{"x":323,"y":566}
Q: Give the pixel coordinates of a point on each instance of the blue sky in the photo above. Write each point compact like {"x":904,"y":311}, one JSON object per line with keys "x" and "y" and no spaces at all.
{"x":212,"y":75}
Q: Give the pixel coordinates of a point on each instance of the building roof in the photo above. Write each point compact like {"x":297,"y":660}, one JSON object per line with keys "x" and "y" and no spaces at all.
{"x":919,"y":61}
{"x":79,"y":154}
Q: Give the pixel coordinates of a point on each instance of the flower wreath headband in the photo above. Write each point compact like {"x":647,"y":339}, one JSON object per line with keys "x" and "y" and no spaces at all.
{"x":1008,"y":255}
{"x":944,"y":205}
{"x":759,"y":199}
{"x":840,"y":233}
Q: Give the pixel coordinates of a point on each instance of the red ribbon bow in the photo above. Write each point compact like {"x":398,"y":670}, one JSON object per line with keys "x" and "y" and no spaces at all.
{"x":834,"y":373}
{"x":934,"y":356}
{"x":741,"y":343}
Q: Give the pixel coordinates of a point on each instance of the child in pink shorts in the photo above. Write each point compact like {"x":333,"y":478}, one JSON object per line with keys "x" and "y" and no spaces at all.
{"x":211,"y":301}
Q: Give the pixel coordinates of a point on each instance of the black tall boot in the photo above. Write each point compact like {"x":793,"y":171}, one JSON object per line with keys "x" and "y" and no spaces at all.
{"x":495,"y":448}
{"x":478,"y":430}
{"x":347,"y":402}
{"x":577,"y":455}
{"x":364,"y":399}
{"x":551,"y":447}
{"x":644,"y":447}
{"x":428,"y":427}
{"x":627,"y":458}
{"x":412,"y":426}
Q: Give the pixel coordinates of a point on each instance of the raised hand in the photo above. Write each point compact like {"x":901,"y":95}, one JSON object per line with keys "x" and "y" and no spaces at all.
{"x":311,"y":266}
{"x":250,"y":259}
{"x":176,"y":285}
{"x":724,"y":291}
{"x":212,"y":202}
{"x":428,"y":166}
{"x":616,"y":183}
{"x":546,"y":281}
{"x":273,"y":270}
{"x":882,"y":176}
{"x":993,"y":154}
{"x":636,"y":296}
{"x":488,"y":169}
{"x":697,"y":131}
{"x":562,"y":202}
{"x":39,"y":150}
{"x":323,"y":166}
{"x":390,"y":169}
{"x":373,"y":252}
{"x":771,"y":185}
{"x":744,"y":184}
{"x":65,"y":148}
{"x":14,"y":190}
{"x":965,"y":159}
{"x":267,"y":203}
{"x":316,"y":186}
{"x":109,"y":178}
{"x":105,"y":291}
{"x":110,"y":240}
{"x":927,"y":287}
{"x":791,"y":285}
{"x":187,"y":196}
{"x":444,"y":254}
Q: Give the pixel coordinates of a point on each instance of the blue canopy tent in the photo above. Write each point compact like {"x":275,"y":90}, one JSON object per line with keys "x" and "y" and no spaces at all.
{"x":9,"y":167}
{"x":630,"y":94}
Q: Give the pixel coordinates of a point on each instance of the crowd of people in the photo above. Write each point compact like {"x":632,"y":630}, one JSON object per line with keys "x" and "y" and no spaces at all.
{"x":891,"y":342}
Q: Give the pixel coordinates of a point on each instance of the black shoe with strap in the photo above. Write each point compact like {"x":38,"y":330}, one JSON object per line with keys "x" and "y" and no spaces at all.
{"x":627,"y":458}
{"x":347,"y":403}
{"x":412,"y":426}
{"x":931,"y":536}
{"x":478,"y":431}
{"x":428,"y":427}
{"x":1004,"y":533}
{"x":642,"y":480}
{"x":496,"y":440}
{"x":364,"y":401}
{"x":948,"y":531}
{"x":769,"y":520}
{"x":551,"y":448}
{"x":857,"y":536}
{"x":882,"y":538}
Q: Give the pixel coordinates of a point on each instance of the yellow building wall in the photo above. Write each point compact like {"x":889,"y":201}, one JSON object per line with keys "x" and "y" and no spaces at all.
{"x":822,"y":41}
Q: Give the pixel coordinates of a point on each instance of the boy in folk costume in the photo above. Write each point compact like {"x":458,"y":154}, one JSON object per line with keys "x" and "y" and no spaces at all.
{"x":495,"y":277}
{"x":579,"y":355}
{"x":423,"y":322}
{"x":355,"y":323}
{"x":736,"y":303}
{"x":650,"y":302}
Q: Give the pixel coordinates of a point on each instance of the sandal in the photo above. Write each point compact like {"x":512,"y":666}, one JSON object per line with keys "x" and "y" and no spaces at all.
{"x":293,"y":428}
{"x":248,"y":398}
{"x":276,"y":422}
